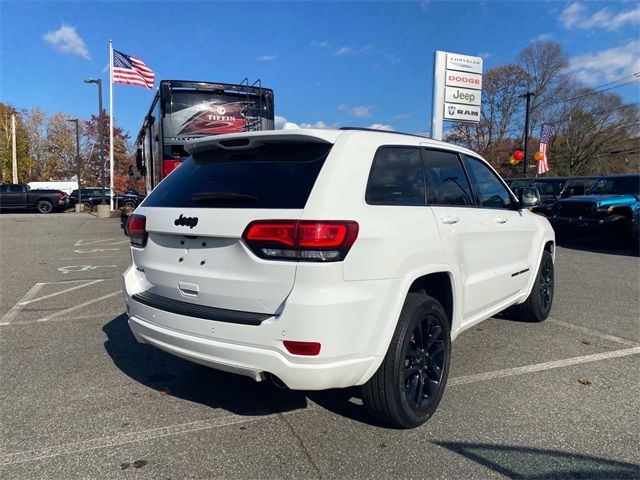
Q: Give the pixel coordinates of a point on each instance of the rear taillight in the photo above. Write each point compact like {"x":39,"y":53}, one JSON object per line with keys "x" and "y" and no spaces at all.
{"x":304,"y":240}
{"x":137,"y":230}
{"x":62,"y":196}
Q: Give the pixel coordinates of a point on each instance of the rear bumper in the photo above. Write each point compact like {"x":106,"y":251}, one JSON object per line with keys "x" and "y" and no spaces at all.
{"x":251,"y":361}
{"x":345,"y":328}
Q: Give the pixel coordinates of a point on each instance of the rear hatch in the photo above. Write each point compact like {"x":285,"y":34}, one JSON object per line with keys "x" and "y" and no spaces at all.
{"x":196,"y":216}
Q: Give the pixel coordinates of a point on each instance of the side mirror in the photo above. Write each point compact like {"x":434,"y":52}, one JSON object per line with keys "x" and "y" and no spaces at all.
{"x":529,"y":197}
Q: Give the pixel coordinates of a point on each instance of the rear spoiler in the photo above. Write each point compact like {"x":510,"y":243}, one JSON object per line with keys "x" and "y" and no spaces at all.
{"x":239,"y":141}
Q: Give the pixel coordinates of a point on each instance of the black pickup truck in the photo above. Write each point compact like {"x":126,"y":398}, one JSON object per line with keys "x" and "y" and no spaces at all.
{"x":18,"y":196}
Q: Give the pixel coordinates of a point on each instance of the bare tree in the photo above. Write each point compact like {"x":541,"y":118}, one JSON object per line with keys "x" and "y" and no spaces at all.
{"x":545,"y":64}
{"x":594,"y":132}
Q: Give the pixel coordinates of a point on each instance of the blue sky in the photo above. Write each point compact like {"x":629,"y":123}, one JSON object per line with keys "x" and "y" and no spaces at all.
{"x":329,"y":63}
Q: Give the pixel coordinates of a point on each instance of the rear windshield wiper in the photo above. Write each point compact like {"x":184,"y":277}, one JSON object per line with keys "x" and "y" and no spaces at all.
{"x":222,"y":197}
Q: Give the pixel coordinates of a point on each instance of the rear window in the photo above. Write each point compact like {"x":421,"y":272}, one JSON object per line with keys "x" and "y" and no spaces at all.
{"x":275,"y":175}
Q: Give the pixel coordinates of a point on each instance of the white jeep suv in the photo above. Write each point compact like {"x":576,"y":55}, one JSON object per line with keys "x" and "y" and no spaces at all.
{"x":333,"y":258}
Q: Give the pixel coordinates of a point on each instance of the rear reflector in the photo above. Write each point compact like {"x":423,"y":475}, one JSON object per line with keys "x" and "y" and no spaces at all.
{"x":137,"y":230}
{"x":304,"y":240}
{"x":302,"y":348}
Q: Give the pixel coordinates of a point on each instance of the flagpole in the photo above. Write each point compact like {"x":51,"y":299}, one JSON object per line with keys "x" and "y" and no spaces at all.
{"x":111,"y":122}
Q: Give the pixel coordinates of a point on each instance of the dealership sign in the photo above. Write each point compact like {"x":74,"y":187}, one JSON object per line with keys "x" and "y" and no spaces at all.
{"x":463,"y":79}
{"x":464,"y":63}
{"x":457,"y":90}
{"x":461,"y":113}
{"x":461,"y":95}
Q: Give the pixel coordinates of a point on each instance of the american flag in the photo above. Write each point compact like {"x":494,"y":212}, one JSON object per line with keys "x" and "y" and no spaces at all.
{"x":131,"y":71}
{"x":545,"y":136}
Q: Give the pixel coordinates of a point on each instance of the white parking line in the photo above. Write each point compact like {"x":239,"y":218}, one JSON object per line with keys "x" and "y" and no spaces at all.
{"x":537,"y":367}
{"x":593,"y":332}
{"x":28,"y":298}
{"x":126,"y":256}
{"x":78,"y":307}
{"x":133,"y":437}
{"x":17,"y":308}
{"x":153,"y":433}
{"x":92,"y":282}
{"x":82,"y":243}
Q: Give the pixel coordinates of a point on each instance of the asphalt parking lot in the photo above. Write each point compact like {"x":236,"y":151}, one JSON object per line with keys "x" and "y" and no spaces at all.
{"x":81,"y":399}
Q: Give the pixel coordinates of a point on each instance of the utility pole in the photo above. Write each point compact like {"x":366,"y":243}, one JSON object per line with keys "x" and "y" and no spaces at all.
{"x":75,"y":120}
{"x":13,"y":148}
{"x":528,"y":96}
{"x":102,"y":181}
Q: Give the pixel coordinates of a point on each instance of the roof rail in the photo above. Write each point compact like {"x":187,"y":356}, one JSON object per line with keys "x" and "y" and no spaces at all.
{"x":363,"y":129}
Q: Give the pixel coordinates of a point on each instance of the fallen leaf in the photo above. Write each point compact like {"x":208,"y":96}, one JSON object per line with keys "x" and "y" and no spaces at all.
{"x":165,"y":391}
{"x":586,"y":342}
{"x":585,"y":381}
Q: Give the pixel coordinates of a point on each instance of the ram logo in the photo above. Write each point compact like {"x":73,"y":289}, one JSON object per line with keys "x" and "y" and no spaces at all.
{"x":182,"y":221}
{"x":452,"y":110}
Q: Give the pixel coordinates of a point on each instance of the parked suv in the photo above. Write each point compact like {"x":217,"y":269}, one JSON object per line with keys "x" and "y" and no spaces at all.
{"x":607,"y":209}
{"x":333,"y":258}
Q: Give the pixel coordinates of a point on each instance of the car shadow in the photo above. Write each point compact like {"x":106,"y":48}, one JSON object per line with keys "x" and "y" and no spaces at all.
{"x":180,"y":378}
{"x":538,"y":464}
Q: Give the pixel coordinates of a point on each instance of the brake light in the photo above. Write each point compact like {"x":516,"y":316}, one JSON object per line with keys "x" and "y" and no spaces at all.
{"x":137,"y":230}
{"x":304,"y":240}
{"x":169,"y":166}
{"x":62,"y":196}
{"x":277,"y":232}
{"x":302,"y":348}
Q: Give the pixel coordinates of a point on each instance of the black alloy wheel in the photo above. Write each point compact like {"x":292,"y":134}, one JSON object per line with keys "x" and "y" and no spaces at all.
{"x":424,"y":363}
{"x":537,"y":306}
{"x":408,"y":386}
{"x":546,"y":280}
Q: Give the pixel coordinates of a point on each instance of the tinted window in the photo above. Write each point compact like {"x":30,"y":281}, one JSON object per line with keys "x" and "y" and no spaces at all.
{"x":488,"y":189}
{"x":16,"y":188}
{"x":548,"y":187}
{"x":276,"y":175}
{"x":616,"y":185}
{"x":447,"y":183}
{"x":396,"y":177}
{"x":3,"y":188}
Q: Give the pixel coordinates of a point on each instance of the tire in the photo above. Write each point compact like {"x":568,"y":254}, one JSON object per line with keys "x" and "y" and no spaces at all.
{"x":88,"y":207}
{"x":537,"y":306}
{"x":395,"y":394}
{"x":44,"y":206}
{"x":129,"y":206}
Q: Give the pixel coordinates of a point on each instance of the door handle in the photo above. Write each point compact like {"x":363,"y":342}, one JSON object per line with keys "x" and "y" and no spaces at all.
{"x":449,"y":220}
{"x":500,"y":220}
